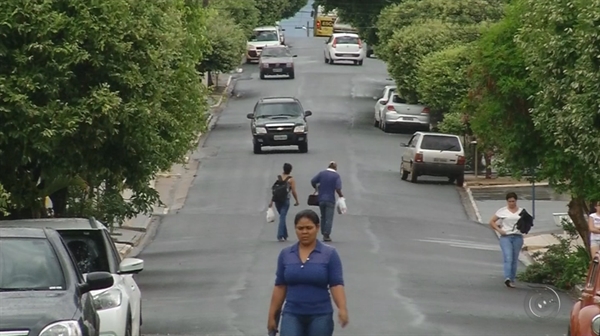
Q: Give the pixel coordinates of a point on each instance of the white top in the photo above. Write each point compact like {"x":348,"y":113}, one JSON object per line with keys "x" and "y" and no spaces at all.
{"x":595,"y":236}
{"x":508,"y":220}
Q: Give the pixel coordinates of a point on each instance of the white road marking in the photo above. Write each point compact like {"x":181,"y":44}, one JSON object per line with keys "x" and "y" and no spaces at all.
{"x":462,"y":244}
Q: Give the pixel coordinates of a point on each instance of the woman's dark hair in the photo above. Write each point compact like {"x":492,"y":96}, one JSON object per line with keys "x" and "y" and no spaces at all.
{"x":308,"y":214}
{"x":287,"y":168}
{"x":511,"y":195}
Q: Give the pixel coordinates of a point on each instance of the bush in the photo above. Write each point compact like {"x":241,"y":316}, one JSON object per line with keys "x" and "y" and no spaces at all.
{"x":560,"y":266}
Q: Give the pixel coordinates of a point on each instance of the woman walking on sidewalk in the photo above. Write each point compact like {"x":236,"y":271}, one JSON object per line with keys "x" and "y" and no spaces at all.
{"x":511,"y":239}
{"x":308,"y":272}
{"x":594,"y":227}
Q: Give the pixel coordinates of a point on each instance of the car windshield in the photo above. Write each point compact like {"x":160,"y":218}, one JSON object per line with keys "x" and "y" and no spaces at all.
{"x":346,"y":40}
{"x":441,"y":143}
{"x":276,"y":52}
{"x":88,"y":249}
{"x":265,"y":36}
{"x":29,"y":264}
{"x":279,"y":110}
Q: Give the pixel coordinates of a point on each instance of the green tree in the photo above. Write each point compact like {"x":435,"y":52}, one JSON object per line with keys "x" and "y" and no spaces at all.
{"x":463,"y":12}
{"x":270,"y":11}
{"x":360,"y":14}
{"x":226,"y":43}
{"x":292,"y":7}
{"x":243,"y":12}
{"x":4,"y":201}
{"x":97,"y":97}
{"x":409,"y":45}
{"x":559,"y":42}
{"x":442,"y":78}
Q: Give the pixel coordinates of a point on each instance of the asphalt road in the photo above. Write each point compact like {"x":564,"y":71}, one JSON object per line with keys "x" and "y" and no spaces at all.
{"x":414,"y":264}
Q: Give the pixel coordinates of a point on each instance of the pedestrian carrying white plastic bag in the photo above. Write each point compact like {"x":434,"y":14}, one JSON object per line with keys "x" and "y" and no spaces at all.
{"x":270,"y":215}
{"x":341,"y":206}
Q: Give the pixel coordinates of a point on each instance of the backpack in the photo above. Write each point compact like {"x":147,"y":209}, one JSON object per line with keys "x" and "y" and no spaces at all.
{"x":524,"y":223}
{"x":281,"y":189}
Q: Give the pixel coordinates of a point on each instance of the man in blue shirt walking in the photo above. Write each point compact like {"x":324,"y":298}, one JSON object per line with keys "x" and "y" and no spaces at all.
{"x":327,"y":183}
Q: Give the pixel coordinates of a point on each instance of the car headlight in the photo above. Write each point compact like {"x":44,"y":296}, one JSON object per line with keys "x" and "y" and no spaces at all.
{"x":62,"y":328}
{"x":261,"y":130}
{"x":109,"y":299}
{"x":596,"y":324}
{"x":299,"y":129}
{"x":250,"y":47}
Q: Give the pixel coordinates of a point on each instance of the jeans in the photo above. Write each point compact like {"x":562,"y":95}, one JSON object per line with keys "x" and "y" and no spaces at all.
{"x":511,"y":247}
{"x":306,"y":325}
{"x":327,"y":211}
{"x":282,"y":209}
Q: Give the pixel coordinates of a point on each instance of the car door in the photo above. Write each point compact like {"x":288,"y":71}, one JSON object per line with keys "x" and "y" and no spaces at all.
{"x":409,"y":152}
{"x":129,"y":284}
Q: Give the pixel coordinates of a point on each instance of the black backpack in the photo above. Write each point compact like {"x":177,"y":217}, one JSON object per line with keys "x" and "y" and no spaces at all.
{"x":524,"y":223}
{"x":281,"y":189}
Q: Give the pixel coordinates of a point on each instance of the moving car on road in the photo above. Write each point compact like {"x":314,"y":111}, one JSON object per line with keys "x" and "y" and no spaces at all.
{"x":585,"y":314}
{"x":276,"y":60}
{"x":433,"y":154}
{"x":42,"y":292}
{"x":279,"y":121}
{"x":261,"y":37}
{"x":396,"y":112}
{"x":119,"y":305}
{"x":381,"y":103}
{"x":344,"y":47}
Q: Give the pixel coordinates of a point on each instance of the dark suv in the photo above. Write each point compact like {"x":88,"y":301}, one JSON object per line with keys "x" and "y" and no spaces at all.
{"x":42,"y":291}
{"x":279,"y":121}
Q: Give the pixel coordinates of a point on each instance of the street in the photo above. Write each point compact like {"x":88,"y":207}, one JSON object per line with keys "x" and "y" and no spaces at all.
{"x":414,"y":264}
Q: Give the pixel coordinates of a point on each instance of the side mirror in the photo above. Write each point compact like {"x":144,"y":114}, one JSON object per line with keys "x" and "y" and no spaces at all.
{"x":250,"y":115}
{"x":307,"y":113}
{"x":131,"y":266}
{"x":97,"y":280}
{"x":294,"y":55}
{"x":382,"y":101}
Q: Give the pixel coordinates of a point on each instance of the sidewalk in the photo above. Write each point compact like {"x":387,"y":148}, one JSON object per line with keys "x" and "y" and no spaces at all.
{"x":488,"y":195}
{"x":172,"y":186}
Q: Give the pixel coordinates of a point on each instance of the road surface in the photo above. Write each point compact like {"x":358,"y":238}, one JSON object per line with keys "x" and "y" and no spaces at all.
{"x":414,"y":264}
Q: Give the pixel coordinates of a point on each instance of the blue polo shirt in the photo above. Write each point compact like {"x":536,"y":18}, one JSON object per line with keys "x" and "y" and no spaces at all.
{"x":308,"y":284}
{"x":328,"y":181}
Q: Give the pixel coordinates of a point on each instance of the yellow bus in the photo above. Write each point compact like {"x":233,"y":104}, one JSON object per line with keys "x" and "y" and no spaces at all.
{"x":323,"y":22}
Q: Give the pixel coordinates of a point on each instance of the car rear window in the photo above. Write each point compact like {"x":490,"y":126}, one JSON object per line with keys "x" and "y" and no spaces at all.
{"x":346,"y":40}
{"x":440,"y":142}
{"x":88,"y":249}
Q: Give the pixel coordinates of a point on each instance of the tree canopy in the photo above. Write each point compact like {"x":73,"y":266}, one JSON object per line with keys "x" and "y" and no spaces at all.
{"x":409,"y":45}
{"x":226,"y":43}
{"x":243,"y":12}
{"x":96,"y":97}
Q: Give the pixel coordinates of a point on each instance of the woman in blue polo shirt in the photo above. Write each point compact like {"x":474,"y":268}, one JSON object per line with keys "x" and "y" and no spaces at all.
{"x":307,"y":272}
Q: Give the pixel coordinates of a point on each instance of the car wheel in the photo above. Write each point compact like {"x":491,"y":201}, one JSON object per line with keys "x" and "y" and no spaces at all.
{"x":325,"y":59}
{"x":292,"y":75}
{"x":359,"y":62}
{"x":331,"y":59}
{"x":303,"y":147}
{"x":248,"y":61}
{"x":128,"y":331}
{"x":262,"y":75}
{"x":413,"y":175}
{"x":451,"y":179}
{"x":460,"y":180}
{"x":257,"y":148}
{"x":375,"y":123}
{"x":404,"y":173}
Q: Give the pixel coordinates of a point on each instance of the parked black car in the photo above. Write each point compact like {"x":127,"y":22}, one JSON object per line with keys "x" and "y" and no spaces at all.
{"x":42,"y":292}
{"x":279,"y":121}
{"x":276,"y":60}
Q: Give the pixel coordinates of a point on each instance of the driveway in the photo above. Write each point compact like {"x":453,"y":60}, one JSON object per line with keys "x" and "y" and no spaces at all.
{"x":414,"y":263}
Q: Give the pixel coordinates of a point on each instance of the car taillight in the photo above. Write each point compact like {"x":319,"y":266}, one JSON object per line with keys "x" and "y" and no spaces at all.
{"x":425,"y":110}
{"x":391,"y":108}
{"x":359,"y":44}
{"x":334,"y":43}
{"x":419,"y":157}
{"x":461,"y":160}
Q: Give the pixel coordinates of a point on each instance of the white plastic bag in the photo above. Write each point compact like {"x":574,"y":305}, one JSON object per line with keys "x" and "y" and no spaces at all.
{"x":270,"y":215}
{"x":341,"y":206}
